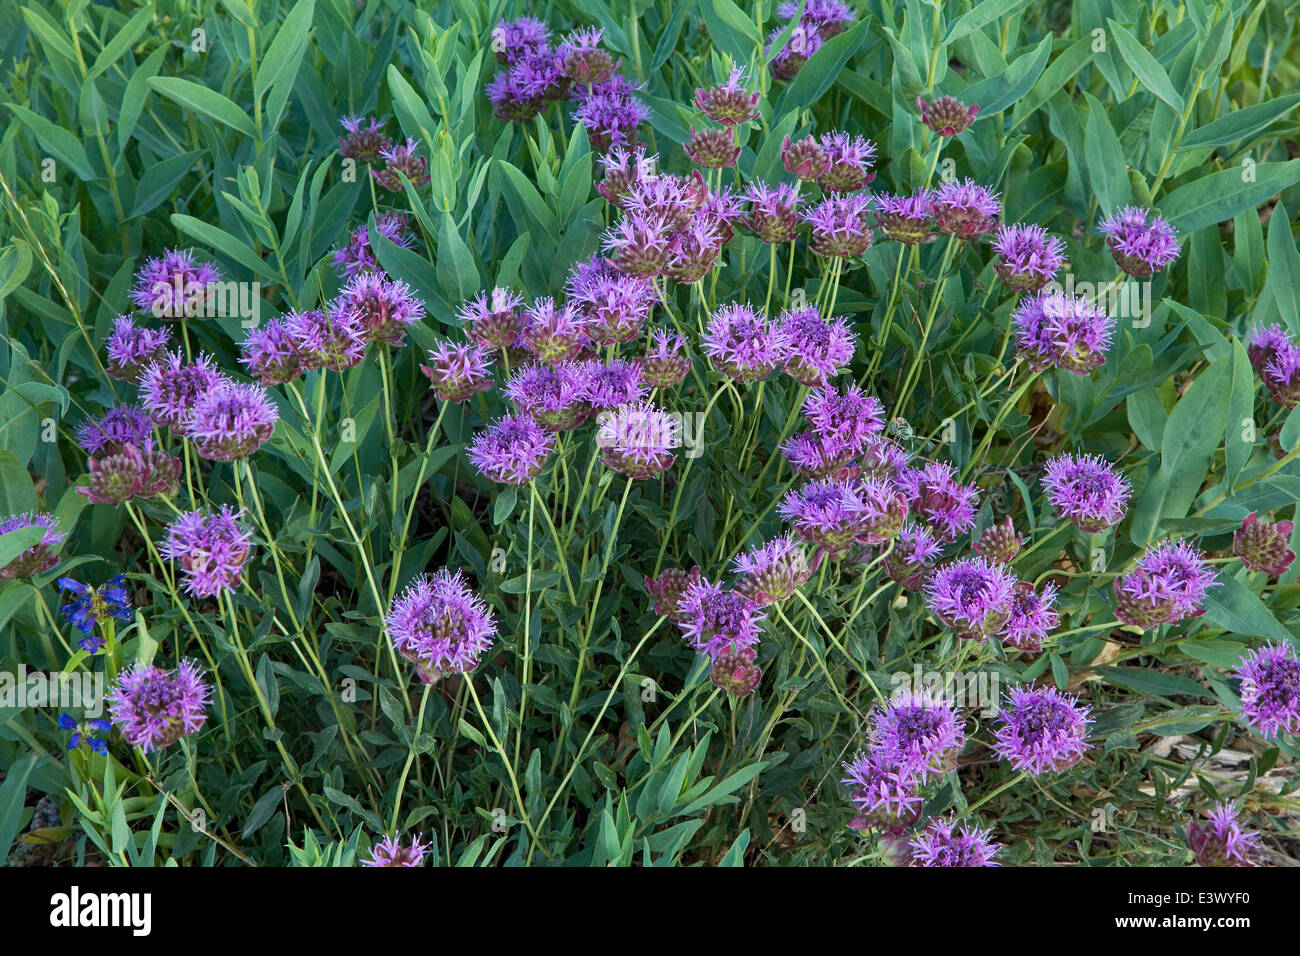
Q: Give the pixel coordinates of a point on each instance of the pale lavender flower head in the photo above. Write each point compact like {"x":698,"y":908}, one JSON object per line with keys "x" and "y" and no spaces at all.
{"x":773,"y":214}
{"x":672,"y":200}
{"x":1167,"y":585}
{"x":383,"y":307}
{"x":41,"y":556}
{"x":839,"y":226}
{"x":356,"y":256}
{"x":613,"y":383}
{"x":741,"y":343}
{"x":851,"y":158}
{"x":458,"y":372}
{"x":715,"y":620}
{"x":668,"y":590}
{"x":121,"y":425}
{"x":772,"y":571}
{"x":1270,"y":690}
{"x":615,"y":307}
{"x":843,"y":424}
{"x":884,"y":512}
{"x":887,"y":797}
{"x":943,"y":843}
{"x":805,"y":40}
{"x":640,"y":244}
{"x":883,"y":458}
{"x":154,"y":708}
{"x":211,"y":549}
{"x":973,"y":596}
{"x":1028,"y":256}
{"x":269,"y":353}
{"x":365,"y":140}
{"x":402,"y":159}
{"x":1087,"y":491}
{"x":695,"y":249}
{"x":231,"y":421}
{"x":132,"y":348}
{"x":390,"y":852}
{"x":906,"y":219}
{"x":1041,"y":730}
{"x":945,"y":115}
{"x":582,"y":60}
{"x":1139,"y":247}
{"x":512,"y":450}
{"x":964,"y":209}
{"x":174,"y":285}
{"x":1054,"y":330}
{"x":170,"y":387}
{"x":1281,"y":377}
{"x":939,"y":499}
{"x":728,"y":103}
{"x":816,"y":348}
{"x":912,"y":558}
{"x":1221,"y":840}
{"x":554,"y":395}
{"x":712,"y":148}
{"x":828,"y":17}
{"x":513,"y":40}
{"x":1263,"y":546}
{"x":667,"y":361}
{"x":830,"y":514}
{"x":440,"y":625}
{"x":623,"y":169}
{"x":1032,"y":617}
{"x":492,"y":319}
{"x":611,"y":114}
{"x":637,"y":439}
{"x":333,"y":339}
{"x":919,"y":734}
{"x":1265,"y":343}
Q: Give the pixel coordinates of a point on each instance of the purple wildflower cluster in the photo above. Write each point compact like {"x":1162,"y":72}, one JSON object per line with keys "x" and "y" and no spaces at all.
{"x":440,"y":625}
{"x":1140,"y":241}
{"x":1054,"y":330}
{"x":174,"y":285}
{"x":211,"y":549}
{"x":1270,"y":690}
{"x":1041,"y":730}
{"x":1276,"y":359}
{"x":821,"y":20}
{"x":389,"y":851}
{"x":1221,"y":839}
{"x":154,"y":708}
{"x":1167,"y":585}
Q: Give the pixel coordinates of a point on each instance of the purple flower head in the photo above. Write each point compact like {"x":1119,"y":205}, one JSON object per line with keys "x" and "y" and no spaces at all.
{"x":1000,"y":543}
{"x":231,"y":421}
{"x":715,"y":620}
{"x":695,"y":249}
{"x":919,"y":734}
{"x":839,"y":226}
{"x":611,"y":115}
{"x":912,"y":558}
{"x":613,"y":383}
{"x":174,"y":285}
{"x":812,"y":455}
{"x":667,"y":362}
{"x":850,"y":415}
{"x":333,"y":339}
{"x":636,"y":439}
{"x":356,"y":256}
{"x":669,"y":589}
{"x":269,"y":353}
{"x":1086,"y":490}
{"x":512,"y":450}
{"x":941,"y":843}
{"x":554,"y":395}
{"x":773,"y":213}
{"x":1167,"y":585}
{"x":1265,"y":343}
{"x":735,"y":671}
{"x":742,"y":344}
{"x":614,"y":306}
{"x":170,"y":387}
{"x":832,"y":514}
{"x":1270,"y":690}
{"x":41,"y":555}
{"x":122,"y":425}
{"x":154,"y":708}
{"x":133,"y":472}
{"x":389,"y":852}
{"x":513,"y":40}
{"x":816,"y":348}
{"x":829,"y":17}
{"x":973,"y":596}
{"x":623,"y":169}
{"x":365,"y":141}
{"x":581,"y":58}
{"x":964,"y":209}
{"x":402,"y":159}
{"x":440,"y":625}
{"x":1032,"y":617}
{"x":1221,"y":841}
{"x":728,"y":103}
{"x":524,"y":90}
{"x":1028,"y":257}
{"x":945,"y":115}
{"x":806,"y":160}
{"x":722,"y":208}
{"x":492,"y":320}
{"x":1054,"y":330}
{"x":885,"y":512}
{"x":132,"y":348}
{"x":939,"y":499}
{"x":712,"y":148}
{"x":1281,"y":377}
{"x":552,"y":333}
{"x":887,"y":797}
{"x":640,"y":244}
{"x":772,"y":571}
{"x":673,"y":200}
{"x":883,"y":458}
{"x":805,"y":40}
{"x":1262,"y":545}
{"x":1041,"y":730}
{"x":906,"y":219}
{"x":211,"y":549}
{"x":851,"y":158}
{"x":1139,"y":247}
{"x":383,"y":307}
{"x":458,"y":372}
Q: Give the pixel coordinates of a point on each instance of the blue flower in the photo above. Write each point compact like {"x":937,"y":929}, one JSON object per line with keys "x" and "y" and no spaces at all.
{"x":82,"y":733}
{"x":91,"y":604}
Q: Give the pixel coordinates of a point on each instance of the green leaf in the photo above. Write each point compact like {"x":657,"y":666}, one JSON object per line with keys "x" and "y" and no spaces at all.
{"x":159,"y":180}
{"x":981,"y":15}
{"x":1144,"y":66}
{"x":1148,"y":681}
{"x":1236,"y":609}
{"x":122,"y":40}
{"x":198,"y":98}
{"x":1238,"y":125}
{"x":1221,"y":195}
{"x":62,"y":144}
{"x":286,"y":47}
{"x":1105,"y":159}
{"x":457,"y":270}
{"x":822,"y":69}
{"x":223,"y":242}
